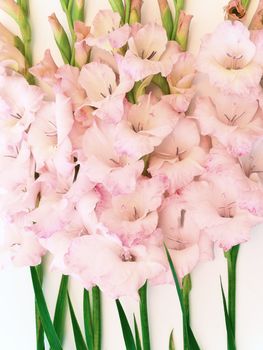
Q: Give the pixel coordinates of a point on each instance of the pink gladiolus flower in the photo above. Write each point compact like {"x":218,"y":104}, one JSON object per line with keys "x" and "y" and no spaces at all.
{"x":180,"y":81}
{"x":150,"y":52}
{"x":49,"y":137}
{"x":179,"y":156}
{"x":134,"y":216}
{"x":104,"y":91}
{"x":232,"y":120}
{"x":116,"y":269}
{"x":234,"y":66}
{"x":104,"y":165}
{"x":182,"y":236}
{"x":214,"y":206}
{"x":106,"y":32}
{"x":19,"y":245}
{"x":19,"y":103}
{"x":143,"y":127}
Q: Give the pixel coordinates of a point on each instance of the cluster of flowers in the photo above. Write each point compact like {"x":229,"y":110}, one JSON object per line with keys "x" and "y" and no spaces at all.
{"x":108,"y":168}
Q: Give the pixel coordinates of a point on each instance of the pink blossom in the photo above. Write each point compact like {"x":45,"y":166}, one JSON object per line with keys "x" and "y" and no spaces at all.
{"x":150,"y":52}
{"x":104,"y":91}
{"x":235,"y":65}
{"x":215,"y":207}
{"x":134,"y":216}
{"x":116,"y":269}
{"x":180,"y":81}
{"x":19,"y":245}
{"x":19,"y":103}
{"x":143,"y":127}
{"x":106,"y":31}
{"x":104,"y":165}
{"x":49,"y":137}
{"x":182,"y":236}
{"x":233,"y":121}
{"x":179,"y":156}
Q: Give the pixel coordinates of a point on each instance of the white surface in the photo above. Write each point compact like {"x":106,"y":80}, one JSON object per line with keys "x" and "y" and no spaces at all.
{"x":17,"y":330}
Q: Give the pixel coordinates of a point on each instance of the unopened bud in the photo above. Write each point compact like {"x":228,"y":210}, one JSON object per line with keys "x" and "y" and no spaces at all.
{"x":135,"y":15}
{"x":235,"y":10}
{"x":167,"y":18}
{"x":183,"y":29}
{"x":61,"y":38}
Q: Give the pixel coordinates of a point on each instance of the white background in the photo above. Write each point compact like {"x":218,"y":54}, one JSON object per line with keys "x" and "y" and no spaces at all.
{"x":17,"y":329}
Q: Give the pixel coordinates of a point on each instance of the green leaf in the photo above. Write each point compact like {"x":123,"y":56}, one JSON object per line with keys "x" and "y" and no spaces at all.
{"x":87,"y":319}
{"x":189,"y":339}
{"x":96,"y":317}
{"x":144,"y":317}
{"x":39,"y":327}
{"x":127,"y":11}
{"x":60,"y":310}
{"x":126,"y":330}
{"x":79,"y":341}
{"x":230,"y":337}
{"x":49,"y":329}
{"x":137,"y":335}
{"x":171,"y":342}
{"x":117,"y":6}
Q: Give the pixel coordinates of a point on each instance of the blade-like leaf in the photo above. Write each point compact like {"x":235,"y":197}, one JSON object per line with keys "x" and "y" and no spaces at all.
{"x":144,"y":317}
{"x":79,"y":341}
{"x":230,"y":337}
{"x":126,"y":330}
{"x":137,"y":335}
{"x":49,"y":329}
{"x":96,"y":317}
{"x":60,"y":310}
{"x":171,"y":342}
{"x":87,"y":319}
{"x":39,"y":327}
{"x":189,"y":338}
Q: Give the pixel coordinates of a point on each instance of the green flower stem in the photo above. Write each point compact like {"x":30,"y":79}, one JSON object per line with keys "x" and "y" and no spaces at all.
{"x":231,"y":257}
{"x":144,"y":318}
{"x":39,"y":327}
{"x":96,"y":308}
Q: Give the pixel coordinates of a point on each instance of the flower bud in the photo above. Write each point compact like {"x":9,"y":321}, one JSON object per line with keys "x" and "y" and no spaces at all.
{"x":135,"y":15}
{"x":183,"y":29}
{"x":167,"y":18}
{"x":11,"y":8}
{"x":6,"y":36}
{"x":235,"y":10}
{"x":82,"y":49}
{"x":78,"y":10}
{"x":257,"y":20}
{"x":61,"y":38}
